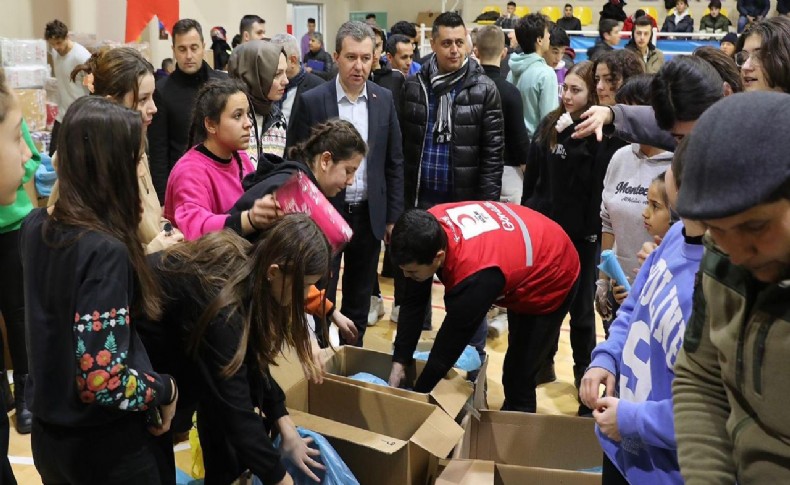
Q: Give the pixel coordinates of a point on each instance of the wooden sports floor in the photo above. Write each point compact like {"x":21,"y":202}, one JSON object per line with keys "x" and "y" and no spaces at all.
{"x":555,"y":398}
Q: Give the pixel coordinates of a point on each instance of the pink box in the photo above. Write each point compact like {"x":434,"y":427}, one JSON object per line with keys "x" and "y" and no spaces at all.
{"x":299,"y":194}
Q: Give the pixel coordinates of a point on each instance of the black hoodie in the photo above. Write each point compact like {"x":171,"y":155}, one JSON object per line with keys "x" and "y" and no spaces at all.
{"x":268,"y":177}
{"x":169,"y":131}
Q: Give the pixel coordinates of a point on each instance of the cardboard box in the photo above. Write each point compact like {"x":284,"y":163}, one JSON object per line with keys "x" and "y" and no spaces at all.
{"x":19,"y":77}
{"x":34,"y":107}
{"x":451,"y":393}
{"x":20,"y":52}
{"x":481,"y":472}
{"x":528,"y":448}
{"x":535,"y":440}
{"x":384,"y":439}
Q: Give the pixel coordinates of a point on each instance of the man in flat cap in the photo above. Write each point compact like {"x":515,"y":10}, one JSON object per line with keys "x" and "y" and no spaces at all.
{"x":732,"y":384}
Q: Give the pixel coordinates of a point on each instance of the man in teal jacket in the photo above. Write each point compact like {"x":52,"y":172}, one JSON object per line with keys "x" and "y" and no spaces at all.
{"x":535,"y":79}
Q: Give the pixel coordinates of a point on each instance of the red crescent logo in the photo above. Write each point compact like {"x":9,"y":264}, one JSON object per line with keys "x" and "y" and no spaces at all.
{"x":463,"y":217}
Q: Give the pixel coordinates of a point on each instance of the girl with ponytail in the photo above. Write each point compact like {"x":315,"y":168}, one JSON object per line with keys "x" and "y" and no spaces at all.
{"x":329,"y":157}
{"x":206,"y":181}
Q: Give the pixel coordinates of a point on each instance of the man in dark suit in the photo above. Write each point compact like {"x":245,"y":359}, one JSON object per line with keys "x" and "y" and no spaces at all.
{"x":299,"y":80}
{"x":373,"y":203}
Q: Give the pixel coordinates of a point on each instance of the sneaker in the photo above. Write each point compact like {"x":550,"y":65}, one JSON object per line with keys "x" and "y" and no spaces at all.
{"x":376,"y":310}
{"x":394,"y":313}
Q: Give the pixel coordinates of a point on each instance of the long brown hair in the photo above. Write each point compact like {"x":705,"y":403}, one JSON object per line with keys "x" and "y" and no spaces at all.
{"x":234,"y":274}
{"x":548,"y":134}
{"x":101,"y":144}
{"x":116,"y":72}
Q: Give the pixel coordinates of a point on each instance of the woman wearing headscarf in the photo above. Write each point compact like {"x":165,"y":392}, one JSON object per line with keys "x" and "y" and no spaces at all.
{"x":261,"y":66}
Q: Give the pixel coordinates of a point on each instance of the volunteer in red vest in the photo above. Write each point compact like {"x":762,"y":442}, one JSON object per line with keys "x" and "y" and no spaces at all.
{"x":485,"y":253}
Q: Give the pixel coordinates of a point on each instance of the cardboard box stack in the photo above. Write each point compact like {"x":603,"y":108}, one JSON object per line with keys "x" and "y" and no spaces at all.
{"x":25,"y":65}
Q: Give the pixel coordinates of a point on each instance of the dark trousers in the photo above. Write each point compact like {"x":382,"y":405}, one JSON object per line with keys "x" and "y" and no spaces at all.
{"x":120,"y":453}
{"x":53,"y":142}
{"x":582,"y":309}
{"x":610,"y":474}
{"x":359,"y":271}
{"x":530,"y":342}
{"x":6,"y":473}
{"x":12,"y":300}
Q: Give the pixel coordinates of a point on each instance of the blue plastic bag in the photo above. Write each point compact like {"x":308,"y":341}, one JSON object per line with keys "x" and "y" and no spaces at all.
{"x":336,"y":473}
{"x":45,"y":176}
{"x":365,"y":377}
{"x":468,"y":361}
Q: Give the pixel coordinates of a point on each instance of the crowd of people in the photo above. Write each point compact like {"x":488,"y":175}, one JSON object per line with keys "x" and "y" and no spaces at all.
{"x":163,"y":279}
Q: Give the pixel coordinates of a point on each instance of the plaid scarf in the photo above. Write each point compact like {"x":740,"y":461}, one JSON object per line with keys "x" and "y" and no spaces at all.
{"x":442,"y":86}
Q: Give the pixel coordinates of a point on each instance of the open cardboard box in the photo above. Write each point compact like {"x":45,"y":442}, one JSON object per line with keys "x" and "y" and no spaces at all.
{"x":451,"y":393}
{"x":547,"y":443}
{"x":383,"y":438}
{"x":481,"y":472}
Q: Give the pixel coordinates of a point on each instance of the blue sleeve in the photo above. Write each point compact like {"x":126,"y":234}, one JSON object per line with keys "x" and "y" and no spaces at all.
{"x":608,"y":353}
{"x":742,"y":9}
{"x":766,"y":9}
{"x":650,"y":421}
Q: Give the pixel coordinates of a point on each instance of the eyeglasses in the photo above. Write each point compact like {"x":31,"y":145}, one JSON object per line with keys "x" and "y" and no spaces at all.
{"x":743,"y":56}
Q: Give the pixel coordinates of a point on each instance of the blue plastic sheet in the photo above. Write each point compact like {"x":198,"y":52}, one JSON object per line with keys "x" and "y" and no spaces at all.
{"x":336,"y":473}
{"x":45,"y":176}
{"x":366,"y":377}
{"x":670,"y":47}
{"x":183,"y":478}
{"x":468,"y":361}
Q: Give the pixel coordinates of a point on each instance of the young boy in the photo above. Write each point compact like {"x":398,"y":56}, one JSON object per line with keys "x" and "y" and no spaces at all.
{"x":484,"y":252}
{"x":554,"y":57}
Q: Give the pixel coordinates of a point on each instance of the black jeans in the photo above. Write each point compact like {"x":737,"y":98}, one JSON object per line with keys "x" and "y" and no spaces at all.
{"x":611,"y":474}
{"x":6,"y":473}
{"x":119,"y":453}
{"x":530,"y":341}
{"x":12,"y":300}
{"x":360,"y":269}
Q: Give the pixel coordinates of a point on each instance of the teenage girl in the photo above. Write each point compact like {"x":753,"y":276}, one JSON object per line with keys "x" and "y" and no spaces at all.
{"x":231,"y":307}
{"x":206,"y":182}
{"x":91,"y":387}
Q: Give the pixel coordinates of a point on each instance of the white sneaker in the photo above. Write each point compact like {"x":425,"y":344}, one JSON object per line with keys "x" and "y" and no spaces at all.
{"x":394,"y":313}
{"x":376,"y":310}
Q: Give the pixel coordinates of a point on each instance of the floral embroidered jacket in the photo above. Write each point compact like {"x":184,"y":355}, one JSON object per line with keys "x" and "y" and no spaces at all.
{"x":87,"y":364}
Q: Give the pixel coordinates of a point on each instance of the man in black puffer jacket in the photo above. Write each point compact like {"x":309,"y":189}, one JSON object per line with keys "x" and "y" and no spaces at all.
{"x":458,"y":156}
{"x":453,"y":132}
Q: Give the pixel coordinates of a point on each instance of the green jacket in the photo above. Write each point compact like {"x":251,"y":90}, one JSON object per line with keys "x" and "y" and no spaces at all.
{"x":11,"y":215}
{"x":718,"y":25}
{"x":732,"y":384}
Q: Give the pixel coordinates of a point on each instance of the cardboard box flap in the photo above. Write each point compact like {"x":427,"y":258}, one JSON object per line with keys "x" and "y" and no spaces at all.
{"x":351,"y":434}
{"x":467,"y":472}
{"x":438,"y":434}
{"x":451,"y":393}
{"x":535,"y":440}
{"x":519,"y":475}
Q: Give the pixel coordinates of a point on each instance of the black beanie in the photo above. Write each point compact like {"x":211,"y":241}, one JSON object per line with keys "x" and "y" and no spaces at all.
{"x":729,"y":167}
{"x":730,"y":37}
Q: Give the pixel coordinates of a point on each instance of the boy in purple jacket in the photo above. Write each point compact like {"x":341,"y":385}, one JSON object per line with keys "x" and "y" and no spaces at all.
{"x":634,"y":419}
